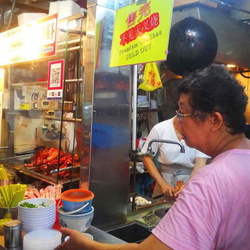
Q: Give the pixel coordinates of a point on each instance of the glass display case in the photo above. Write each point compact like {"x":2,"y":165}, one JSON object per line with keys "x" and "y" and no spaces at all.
{"x":41,"y":105}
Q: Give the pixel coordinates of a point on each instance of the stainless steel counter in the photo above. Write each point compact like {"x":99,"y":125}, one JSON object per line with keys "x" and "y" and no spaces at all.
{"x":138,"y":226}
{"x":103,"y":237}
{"x":141,"y":216}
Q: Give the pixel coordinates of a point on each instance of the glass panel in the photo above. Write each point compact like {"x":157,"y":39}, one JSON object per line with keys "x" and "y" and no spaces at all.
{"x":40,"y":134}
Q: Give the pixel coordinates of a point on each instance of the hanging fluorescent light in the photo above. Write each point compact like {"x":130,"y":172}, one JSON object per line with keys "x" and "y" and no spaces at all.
{"x":231,"y":65}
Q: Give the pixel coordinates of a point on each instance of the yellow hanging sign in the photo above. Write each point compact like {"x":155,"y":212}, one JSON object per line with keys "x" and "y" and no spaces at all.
{"x":151,"y":78}
{"x":141,"y":33}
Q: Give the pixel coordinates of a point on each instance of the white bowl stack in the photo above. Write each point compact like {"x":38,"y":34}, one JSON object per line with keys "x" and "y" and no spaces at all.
{"x":37,"y":218}
{"x":79,"y":222}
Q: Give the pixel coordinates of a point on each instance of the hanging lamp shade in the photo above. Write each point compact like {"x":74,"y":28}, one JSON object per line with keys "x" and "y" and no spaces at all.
{"x":192,"y":45}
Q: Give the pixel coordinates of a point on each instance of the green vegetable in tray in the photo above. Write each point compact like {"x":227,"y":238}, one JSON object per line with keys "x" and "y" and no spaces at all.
{"x":30,"y":205}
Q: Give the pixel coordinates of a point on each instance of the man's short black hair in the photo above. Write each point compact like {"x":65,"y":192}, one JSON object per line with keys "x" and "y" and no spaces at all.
{"x":215,"y":89}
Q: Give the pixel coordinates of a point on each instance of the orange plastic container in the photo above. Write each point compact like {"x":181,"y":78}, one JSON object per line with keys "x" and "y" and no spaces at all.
{"x":74,"y":199}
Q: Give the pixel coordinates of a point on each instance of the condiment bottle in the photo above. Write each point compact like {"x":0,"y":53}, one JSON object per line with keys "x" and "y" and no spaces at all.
{"x":12,"y":233}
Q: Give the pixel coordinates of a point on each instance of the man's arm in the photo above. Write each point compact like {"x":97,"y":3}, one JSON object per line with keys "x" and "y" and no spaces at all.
{"x":198,"y":164}
{"x":153,"y":171}
{"x":78,"y":241}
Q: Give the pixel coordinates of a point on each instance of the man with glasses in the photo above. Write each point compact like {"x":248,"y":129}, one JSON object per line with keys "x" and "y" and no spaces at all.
{"x":213,"y":209}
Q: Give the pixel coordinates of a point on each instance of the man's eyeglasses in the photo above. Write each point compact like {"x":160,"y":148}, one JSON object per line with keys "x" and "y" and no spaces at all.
{"x":180,"y":116}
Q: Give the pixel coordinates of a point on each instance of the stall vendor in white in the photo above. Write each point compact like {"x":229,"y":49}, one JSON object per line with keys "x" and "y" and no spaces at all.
{"x":174,"y":165}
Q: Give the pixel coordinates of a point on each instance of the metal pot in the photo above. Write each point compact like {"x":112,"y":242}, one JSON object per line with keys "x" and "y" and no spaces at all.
{"x":192,"y":45}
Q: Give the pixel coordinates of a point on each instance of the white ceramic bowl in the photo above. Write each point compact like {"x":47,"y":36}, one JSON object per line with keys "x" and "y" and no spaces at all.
{"x":79,"y":222}
{"x":29,"y":229}
{"x":42,"y":240}
{"x":90,"y":236}
{"x":38,"y":215}
{"x":37,"y":218}
{"x":36,"y":201}
{"x":40,"y":224}
{"x":29,"y":226}
{"x":33,"y":212}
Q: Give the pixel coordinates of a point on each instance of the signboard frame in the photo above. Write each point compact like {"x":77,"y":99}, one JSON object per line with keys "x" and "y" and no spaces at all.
{"x":55,"y":79}
{"x":141,"y":33}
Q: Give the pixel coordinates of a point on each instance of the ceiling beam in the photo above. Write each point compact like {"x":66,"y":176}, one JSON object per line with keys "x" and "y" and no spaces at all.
{"x":37,"y":7}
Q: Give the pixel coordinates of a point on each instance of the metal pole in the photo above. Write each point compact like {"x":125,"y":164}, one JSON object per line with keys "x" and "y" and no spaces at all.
{"x":134,"y":107}
{"x":134,"y":116}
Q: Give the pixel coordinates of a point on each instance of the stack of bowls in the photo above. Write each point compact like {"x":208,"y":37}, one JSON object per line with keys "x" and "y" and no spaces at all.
{"x":76,"y":211}
{"x":37,"y":218}
{"x":43,"y":239}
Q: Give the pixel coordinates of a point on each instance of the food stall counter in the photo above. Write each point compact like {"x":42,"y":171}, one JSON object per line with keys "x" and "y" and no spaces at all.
{"x":103,"y":237}
{"x":99,"y":235}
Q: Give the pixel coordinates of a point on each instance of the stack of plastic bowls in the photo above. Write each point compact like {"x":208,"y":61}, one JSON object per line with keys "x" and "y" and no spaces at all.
{"x":76,"y":211}
{"x":42,"y":217}
{"x":43,"y":239}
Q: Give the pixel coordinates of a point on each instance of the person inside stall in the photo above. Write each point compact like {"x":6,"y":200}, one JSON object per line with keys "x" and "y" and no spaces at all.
{"x":174,"y":165}
{"x":168,"y":98}
{"x":213,"y":208}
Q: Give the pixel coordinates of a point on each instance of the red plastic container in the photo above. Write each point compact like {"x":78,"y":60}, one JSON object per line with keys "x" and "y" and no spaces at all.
{"x":73,"y":199}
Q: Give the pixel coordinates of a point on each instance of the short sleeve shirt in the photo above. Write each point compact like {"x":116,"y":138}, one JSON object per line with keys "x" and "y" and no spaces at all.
{"x":170,"y":153}
{"x":213,"y":209}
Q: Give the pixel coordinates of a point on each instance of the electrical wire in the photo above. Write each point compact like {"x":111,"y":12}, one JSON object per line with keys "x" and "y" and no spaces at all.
{"x":241,"y":71}
{"x":11,"y":14}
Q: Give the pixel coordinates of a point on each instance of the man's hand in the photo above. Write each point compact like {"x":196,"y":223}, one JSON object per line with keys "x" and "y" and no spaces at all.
{"x":168,"y":190}
{"x":76,"y":241}
{"x":178,"y":189}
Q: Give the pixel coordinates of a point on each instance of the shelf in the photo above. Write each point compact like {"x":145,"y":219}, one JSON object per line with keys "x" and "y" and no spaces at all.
{"x":110,"y":107}
{"x":16,"y":164}
{"x":64,"y":119}
{"x":21,"y":84}
{"x":40,"y":83}
{"x":141,"y":109}
{"x":42,"y":177}
{"x":37,"y":111}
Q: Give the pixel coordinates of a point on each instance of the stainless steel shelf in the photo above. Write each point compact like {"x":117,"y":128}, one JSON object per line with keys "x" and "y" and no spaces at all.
{"x":40,"y":83}
{"x":42,"y":177}
{"x":64,"y":119}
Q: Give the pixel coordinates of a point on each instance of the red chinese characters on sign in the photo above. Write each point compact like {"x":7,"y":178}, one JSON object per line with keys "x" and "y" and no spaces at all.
{"x":144,"y":11}
{"x":131,"y":20}
{"x":145,"y":26}
{"x":142,"y":27}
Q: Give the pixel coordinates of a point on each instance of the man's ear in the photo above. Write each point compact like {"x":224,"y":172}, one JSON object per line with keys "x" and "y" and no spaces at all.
{"x":217,"y":120}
